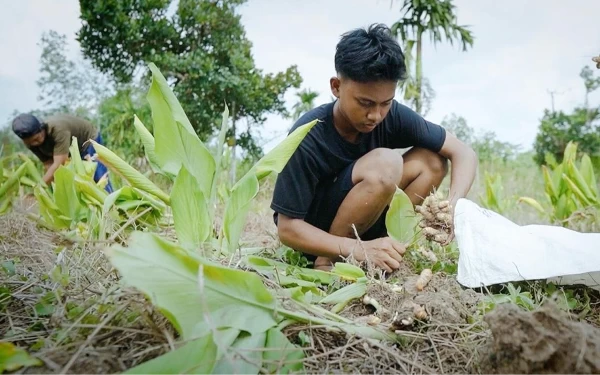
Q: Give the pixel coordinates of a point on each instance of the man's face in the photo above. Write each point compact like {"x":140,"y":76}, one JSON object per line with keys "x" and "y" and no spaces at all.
{"x":36,"y":139}
{"x":364,"y":105}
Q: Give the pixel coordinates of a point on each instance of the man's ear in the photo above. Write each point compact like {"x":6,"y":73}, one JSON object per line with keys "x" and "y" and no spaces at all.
{"x":334,"y":83}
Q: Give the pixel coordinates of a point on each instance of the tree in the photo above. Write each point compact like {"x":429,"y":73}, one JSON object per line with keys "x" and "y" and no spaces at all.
{"x":305,"y":102}
{"x":437,"y":18}
{"x":582,"y":125}
{"x":66,"y":85}
{"x":485,"y":144}
{"x":201,"y":49}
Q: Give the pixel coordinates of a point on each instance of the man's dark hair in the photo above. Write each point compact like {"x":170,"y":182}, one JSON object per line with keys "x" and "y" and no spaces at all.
{"x":368,"y":55}
{"x":25,"y":125}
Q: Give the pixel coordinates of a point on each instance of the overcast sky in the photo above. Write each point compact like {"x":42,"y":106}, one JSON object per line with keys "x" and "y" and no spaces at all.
{"x":522,"y":50}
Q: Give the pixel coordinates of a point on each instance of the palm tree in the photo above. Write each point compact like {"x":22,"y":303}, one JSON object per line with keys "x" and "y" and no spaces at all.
{"x":306,"y":102}
{"x":438,"y":19}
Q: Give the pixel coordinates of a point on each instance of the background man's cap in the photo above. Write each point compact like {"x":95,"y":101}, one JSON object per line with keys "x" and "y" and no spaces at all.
{"x":26,"y":125}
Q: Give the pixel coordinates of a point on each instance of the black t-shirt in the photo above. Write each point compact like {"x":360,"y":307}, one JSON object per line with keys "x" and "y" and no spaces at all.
{"x":323,"y":153}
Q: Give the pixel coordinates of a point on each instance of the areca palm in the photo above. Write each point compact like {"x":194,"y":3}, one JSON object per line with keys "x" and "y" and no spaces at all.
{"x":306,"y":101}
{"x":437,"y":18}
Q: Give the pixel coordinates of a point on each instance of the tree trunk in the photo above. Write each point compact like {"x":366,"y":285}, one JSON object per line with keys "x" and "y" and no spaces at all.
{"x":419,"y":74}
{"x":233,"y":158}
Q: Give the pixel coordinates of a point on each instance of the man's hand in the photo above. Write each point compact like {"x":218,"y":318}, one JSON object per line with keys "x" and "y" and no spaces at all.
{"x":384,"y":253}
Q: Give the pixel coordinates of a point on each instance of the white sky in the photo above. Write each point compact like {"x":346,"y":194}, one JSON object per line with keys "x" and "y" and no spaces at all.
{"x":522,"y":49}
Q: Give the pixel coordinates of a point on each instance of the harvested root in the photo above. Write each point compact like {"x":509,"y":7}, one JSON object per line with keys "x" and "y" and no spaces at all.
{"x":371,"y":320}
{"x":419,"y":311}
{"x":428,"y":254}
{"x":424,"y":279}
{"x":597,"y":61}
{"x":437,"y":220}
{"x":367,"y":300}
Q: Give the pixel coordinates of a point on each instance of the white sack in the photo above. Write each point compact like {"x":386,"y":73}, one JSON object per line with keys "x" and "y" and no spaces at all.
{"x":495,"y":250}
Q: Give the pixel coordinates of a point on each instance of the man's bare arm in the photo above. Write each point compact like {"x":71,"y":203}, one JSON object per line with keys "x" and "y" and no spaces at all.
{"x":464,"y":166}
{"x":299,"y":235}
{"x":57,"y":161}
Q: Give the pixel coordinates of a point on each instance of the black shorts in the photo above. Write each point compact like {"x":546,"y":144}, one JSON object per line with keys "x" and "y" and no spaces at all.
{"x":328,"y":199}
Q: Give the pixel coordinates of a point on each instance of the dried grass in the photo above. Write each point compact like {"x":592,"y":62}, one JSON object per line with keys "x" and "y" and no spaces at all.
{"x":114,"y":328}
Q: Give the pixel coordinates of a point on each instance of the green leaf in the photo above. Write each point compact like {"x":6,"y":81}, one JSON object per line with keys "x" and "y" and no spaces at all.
{"x":550,"y":187}
{"x":148,"y":142}
{"x":278,"y":157}
{"x":533,"y":203}
{"x":401,"y":220}
{"x":13,"y":358}
{"x":281,"y":356}
{"x":577,"y":178}
{"x":76,"y":157}
{"x":268,"y":266}
{"x":198,"y":356}
{"x":168,"y":275}
{"x":342,"y":296}
{"x":9,"y":267}
{"x":247,"y":187}
{"x":587,"y":171}
{"x":176,"y":141}
{"x":348,"y":271}
{"x":190,"y":214}
{"x":65,"y":195}
{"x":244,"y":356}
{"x":237,"y":209}
{"x":130,"y":174}
{"x":218,"y":166}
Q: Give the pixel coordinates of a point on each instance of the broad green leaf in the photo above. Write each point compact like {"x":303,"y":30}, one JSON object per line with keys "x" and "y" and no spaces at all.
{"x":76,"y":157}
{"x":148,"y":142}
{"x":587,"y":171}
{"x":190,"y":214}
{"x":49,"y":210}
{"x":269,"y":266}
{"x":561,"y":210}
{"x":281,"y":356}
{"x":348,"y":271}
{"x":570,"y":152}
{"x":581,"y":183}
{"x":244,"y":356}
{"x":198,"y":356}
{"x":90,"y":190}
{"x":13,"y":358}
{"x":247,"y":187}
{"x":237,"y":209}
{"x":550,"y":187}
{"x":346,"y":294}
{"x":401,"y":220}
{"x":278,"y":157}
{"x":533,"y":203}
{"x":13,"y":179}
{"x":168,"y":275}
{"x":176,"y":142}
{"x":65,"y":195}
{"x":32,"y":171}
{"x":220,"y":142}
{"x":150,"y":199}
{"x":581,"y":196}
{"x":24,"y":180}
{"x":110,"y":200}
{"x":130,"y":174}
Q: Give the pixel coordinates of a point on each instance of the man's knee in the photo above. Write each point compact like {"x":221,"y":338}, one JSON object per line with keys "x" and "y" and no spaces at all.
{"x":437,"y":164}
{"x":381,"y":167}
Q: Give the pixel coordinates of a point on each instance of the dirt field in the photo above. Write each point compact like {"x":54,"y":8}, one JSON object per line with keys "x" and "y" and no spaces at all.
{"x":63,"y":303}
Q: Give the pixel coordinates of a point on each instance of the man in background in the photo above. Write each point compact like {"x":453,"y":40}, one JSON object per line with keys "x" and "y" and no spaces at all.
{"x":50,"y":140}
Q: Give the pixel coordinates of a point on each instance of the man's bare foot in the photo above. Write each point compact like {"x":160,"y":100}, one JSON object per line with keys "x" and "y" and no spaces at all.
{"x":323,"y":264}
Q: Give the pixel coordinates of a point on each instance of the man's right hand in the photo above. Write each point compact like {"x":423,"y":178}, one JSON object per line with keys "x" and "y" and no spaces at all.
{"x":384,"y":253}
